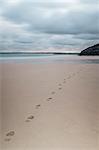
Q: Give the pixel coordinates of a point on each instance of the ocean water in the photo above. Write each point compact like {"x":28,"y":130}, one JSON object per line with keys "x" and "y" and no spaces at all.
{"x":48,"y":58}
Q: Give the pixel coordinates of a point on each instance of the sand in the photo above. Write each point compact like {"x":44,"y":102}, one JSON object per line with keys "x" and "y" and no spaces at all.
{"x":50,"y":106}
{"x":0,"y":101}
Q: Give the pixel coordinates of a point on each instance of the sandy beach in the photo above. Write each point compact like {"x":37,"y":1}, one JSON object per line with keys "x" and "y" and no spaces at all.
{"x":53,"y":106}
{"x":0,"y":101}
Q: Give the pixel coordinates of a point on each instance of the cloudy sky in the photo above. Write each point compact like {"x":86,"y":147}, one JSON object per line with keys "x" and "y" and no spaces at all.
{"x":51,"y":25}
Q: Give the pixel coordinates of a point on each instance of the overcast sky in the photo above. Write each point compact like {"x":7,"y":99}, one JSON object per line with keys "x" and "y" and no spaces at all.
{"x":54,"y":25}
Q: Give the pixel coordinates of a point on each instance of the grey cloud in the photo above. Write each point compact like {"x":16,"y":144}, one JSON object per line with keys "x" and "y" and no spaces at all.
{"x":90,"y":1}
{"x":50,"y":5}
{"x":71,"y":22}
{"x":42,"y":26}
{"x":64,"y":40}
{"x":88,"y":36}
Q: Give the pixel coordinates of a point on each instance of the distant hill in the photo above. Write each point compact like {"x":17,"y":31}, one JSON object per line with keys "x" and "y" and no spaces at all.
{"x":93,"y":50}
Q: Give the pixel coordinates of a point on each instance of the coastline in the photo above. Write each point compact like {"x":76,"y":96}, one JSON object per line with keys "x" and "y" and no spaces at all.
{"x":32,"y":52}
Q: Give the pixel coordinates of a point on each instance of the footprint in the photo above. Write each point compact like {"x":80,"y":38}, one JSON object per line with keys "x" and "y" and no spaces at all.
{"x":37,"y":106}
{"x":60,"y":88}
{"x":30,"y":118}
{"x":11,"y":133}
{"x":49,"y":98}
{"x":27,"y":120}
{"x":53,"y":92}
{"x":7,"y":139}
{"x":69,"y":77}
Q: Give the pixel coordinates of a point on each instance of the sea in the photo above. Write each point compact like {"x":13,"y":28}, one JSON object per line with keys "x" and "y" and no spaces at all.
{"x":48,"y":58}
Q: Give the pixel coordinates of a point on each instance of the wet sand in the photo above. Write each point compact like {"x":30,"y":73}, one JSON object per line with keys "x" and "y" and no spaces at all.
{"x":50,"y":106}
